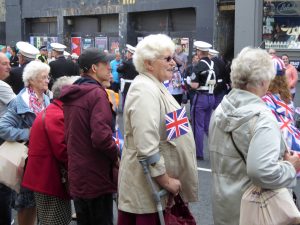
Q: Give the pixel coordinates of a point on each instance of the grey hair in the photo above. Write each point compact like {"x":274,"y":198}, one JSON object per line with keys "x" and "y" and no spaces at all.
{"x":60,"y":82}
{"x":150,"y":48}
{"x":250,"y":67}
{"x":32,"y":70}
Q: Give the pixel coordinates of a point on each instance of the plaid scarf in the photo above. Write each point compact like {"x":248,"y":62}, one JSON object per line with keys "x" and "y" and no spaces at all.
{"x":34,"y":103}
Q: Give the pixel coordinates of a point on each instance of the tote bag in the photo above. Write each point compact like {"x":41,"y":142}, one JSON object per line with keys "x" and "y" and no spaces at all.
{"x":260,"y":207}
{"x":12,"y":161}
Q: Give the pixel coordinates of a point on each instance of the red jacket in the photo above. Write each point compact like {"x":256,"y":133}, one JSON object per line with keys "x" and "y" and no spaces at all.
{"x":92,"y":151}
{"x":45,"y":159}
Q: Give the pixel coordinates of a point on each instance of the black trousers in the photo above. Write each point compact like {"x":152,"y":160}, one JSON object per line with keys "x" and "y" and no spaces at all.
{"x":95,"y":211}
{"x":5,"y":202}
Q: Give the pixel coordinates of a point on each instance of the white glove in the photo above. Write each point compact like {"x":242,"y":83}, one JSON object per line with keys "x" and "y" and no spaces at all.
{"x":188,"y":80}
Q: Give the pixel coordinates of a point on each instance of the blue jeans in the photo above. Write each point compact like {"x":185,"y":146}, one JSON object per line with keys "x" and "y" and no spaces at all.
{"x":5,"y":205}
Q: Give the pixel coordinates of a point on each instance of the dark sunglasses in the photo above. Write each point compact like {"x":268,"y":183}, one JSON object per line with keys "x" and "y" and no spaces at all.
{"x":169,"y":58}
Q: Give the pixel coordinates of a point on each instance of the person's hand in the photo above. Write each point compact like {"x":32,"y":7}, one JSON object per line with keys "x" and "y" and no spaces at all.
{"x":170,"y":184}
{"x":173,"y":186}
{"x":293,"y":159}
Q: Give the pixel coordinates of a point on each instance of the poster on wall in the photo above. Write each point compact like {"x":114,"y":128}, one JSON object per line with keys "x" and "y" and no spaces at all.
{"x":76,"y":45}
{"x":87,"y":43}
{"x":113,"y":44}
{"x":184,"y":42}
{"x":39,"y":41}
{"x":101,"y":43}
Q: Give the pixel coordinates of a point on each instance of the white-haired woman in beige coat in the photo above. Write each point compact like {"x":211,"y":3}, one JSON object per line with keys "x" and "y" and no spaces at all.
{"x":147,"y":103}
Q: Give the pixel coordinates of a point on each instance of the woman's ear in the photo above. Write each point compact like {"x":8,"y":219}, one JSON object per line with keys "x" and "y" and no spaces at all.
{"x":148,"y":65}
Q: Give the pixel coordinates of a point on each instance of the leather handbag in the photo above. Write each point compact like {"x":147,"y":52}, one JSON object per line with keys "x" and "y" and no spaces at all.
{"x":179,"y":213}
{"x":12,"y":162}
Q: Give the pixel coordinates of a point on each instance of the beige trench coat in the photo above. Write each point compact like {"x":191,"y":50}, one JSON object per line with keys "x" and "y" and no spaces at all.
{"x":147,"y":103}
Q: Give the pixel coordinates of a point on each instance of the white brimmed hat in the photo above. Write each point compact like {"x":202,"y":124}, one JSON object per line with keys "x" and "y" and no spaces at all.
{"x":202,"y":46}
{"x":27,"y":49}
{"x":130,"y":48}
{"x":213,"y":52}
{"x":58,"y":47}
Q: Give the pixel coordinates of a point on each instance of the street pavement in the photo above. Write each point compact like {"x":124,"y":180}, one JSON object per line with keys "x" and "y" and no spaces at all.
{"x":202,"y":210}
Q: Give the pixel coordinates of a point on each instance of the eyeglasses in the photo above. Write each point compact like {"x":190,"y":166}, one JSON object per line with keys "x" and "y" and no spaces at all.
{"x":169,"y":58}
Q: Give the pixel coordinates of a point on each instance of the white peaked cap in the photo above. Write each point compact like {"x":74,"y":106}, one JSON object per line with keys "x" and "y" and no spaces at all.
{"x":58,"y":47}
{"x":202,"y":46}
{"x":213,"y":52}
{"x":130,"y":48}
{"x":27,"y":49}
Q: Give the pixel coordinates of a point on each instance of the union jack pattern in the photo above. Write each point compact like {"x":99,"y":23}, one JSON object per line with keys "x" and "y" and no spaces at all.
{"x":117,"y":136}
{"x":285,"y":116}
{"x":176,"y":123}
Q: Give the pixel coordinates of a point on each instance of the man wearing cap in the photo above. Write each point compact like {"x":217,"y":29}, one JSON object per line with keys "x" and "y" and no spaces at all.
{"x":203,"y":80}
{"x":43,"y":54}
{"x":92,"y":152}
{"x":222,"y":77}
{"x":6,"y":95}
{"x":127,"y":71}
{"x":27,"y":53}
{"x":61,"y":66}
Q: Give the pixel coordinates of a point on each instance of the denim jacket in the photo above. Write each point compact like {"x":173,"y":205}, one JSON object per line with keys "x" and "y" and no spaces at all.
{"x":16,"y":122}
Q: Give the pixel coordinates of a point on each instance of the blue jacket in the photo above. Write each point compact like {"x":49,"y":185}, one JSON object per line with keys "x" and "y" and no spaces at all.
{"x":114,"y":64}
{"x":16,"y":122}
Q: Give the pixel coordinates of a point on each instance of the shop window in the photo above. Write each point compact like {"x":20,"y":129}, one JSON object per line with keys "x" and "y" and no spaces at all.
{"x":281,"y":24}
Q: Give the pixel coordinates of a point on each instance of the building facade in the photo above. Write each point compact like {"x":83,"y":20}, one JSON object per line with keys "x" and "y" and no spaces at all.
{"x":269,"y":24}
{"x":2,"y":22}
{"x":109,"y":24}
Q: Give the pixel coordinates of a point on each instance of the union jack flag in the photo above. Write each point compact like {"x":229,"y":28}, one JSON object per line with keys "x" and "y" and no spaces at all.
{"x":176,"y":123}
{"x":284,"y":114}
{"x":117,"y":136}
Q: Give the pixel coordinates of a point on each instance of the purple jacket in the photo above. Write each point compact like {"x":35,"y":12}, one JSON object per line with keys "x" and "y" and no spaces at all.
{"x":92,"y":151}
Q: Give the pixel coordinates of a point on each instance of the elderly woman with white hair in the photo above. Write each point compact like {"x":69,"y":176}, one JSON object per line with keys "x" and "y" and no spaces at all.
{"x":245,"y":142}
{"x":173,"y":160}
{"x":16,"y":123}
{"x":48,"y":155}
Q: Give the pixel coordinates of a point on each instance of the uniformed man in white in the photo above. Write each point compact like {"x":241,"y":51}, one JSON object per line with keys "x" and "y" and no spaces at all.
{"x":27,"y":53}
{"x":61,"y":66}
{"x":203,"y":80}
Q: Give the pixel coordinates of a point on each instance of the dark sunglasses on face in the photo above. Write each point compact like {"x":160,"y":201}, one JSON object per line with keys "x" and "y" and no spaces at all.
{"x":169,"y":58}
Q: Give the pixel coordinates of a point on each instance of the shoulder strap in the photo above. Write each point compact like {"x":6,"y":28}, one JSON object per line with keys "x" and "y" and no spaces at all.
{"x":211,"y":66}
{"x":253,"y":122}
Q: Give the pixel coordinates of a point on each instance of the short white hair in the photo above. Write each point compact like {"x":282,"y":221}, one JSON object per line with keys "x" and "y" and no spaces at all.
{"x":61,"y":82}
{"x":250,"y":67}
{"x":33,"y":69}
{"x":150,"y":48}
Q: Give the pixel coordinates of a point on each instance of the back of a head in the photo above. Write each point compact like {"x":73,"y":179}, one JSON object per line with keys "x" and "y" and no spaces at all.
{"x":150,"y":48}
{"x":251,"y":66}
{"x":60,"y":83}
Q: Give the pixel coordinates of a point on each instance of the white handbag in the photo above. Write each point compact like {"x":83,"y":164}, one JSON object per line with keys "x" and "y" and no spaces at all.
{"x":12,"y":162}
{"x":261,"y":207}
